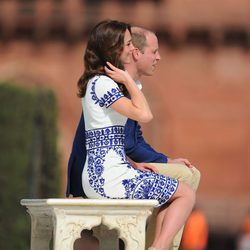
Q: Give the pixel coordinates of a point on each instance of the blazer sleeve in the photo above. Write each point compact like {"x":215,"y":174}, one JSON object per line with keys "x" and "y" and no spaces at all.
{"x":137,"y":148}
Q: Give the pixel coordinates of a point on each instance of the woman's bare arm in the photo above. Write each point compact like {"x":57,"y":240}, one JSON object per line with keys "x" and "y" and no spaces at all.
{"x":137,"y":108}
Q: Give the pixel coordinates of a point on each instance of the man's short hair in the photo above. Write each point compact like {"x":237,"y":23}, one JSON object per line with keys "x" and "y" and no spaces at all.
{"x":139,"y":39}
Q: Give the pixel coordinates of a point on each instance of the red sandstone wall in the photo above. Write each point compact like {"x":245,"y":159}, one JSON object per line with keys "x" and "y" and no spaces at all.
{"x":200,"y":98}
{"x":200,"y":102}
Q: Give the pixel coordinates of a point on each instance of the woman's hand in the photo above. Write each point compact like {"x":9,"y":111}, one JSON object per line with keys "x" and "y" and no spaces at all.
{"x":118,"y":75}
{"x":137,"y":107}
{"x":142,"y":166}
{"x":146,"y":167}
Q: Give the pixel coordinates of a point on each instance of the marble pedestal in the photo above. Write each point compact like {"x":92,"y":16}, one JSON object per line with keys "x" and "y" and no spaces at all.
{"x":66,"y":218}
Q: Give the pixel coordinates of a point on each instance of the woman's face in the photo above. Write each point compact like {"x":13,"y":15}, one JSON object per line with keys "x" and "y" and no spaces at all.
{"x":127,"y":48}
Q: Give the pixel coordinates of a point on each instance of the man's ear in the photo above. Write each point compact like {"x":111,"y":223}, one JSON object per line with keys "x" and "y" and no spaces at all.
{"x":136,"y":53}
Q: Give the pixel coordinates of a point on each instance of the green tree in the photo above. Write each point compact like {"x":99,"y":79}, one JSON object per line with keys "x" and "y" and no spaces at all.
{"x":28,"y":158}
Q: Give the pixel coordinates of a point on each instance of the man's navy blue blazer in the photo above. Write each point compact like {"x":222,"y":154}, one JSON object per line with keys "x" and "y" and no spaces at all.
{"x":135,"y":146}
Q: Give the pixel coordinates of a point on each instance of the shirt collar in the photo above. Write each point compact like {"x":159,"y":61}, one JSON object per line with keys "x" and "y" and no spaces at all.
{"x":138,"y":84}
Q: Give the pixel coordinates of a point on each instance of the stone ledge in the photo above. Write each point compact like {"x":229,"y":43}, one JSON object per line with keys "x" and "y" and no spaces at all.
{"x":87,"y":202}
{"x":66,"y":218}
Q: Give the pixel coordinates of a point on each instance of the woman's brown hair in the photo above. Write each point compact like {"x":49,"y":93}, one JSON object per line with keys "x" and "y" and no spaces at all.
{"x":105,"y":44}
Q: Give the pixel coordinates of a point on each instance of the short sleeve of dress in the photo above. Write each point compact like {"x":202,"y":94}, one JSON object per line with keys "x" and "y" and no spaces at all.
{"x":107,"y":91}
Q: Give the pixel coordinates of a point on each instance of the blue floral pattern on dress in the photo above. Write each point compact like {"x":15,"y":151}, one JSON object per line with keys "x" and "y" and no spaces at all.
{"x":108,"y":98}
{"x":95,"y":169}
{"x":98,"y":143}
{"x":144,"y":185}
{"x":148,"y":185}
{"x":107,"y":173}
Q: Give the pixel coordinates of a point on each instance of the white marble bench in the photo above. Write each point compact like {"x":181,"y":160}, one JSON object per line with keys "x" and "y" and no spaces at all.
{"x":66,"y":218}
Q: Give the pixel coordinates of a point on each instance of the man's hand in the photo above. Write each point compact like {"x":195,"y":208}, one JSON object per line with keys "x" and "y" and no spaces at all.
{"x":181,"y":161}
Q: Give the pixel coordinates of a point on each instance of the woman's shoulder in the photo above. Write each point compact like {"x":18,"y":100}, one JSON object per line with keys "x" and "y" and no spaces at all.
{"x":101,"y":84}
{"x":103,"y":90}
{"x":104,"y":82}
{"x":101,"y":80}
{"x":104,"y":79}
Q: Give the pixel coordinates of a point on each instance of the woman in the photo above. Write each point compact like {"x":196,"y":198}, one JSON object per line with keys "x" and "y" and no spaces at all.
{"x":107,"y":172}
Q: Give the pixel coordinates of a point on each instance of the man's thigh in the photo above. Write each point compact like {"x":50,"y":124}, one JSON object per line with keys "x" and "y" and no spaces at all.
{"x":180,"y":172}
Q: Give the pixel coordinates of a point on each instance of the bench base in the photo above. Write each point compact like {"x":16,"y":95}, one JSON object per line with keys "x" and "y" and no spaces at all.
{"x":66,"y":218}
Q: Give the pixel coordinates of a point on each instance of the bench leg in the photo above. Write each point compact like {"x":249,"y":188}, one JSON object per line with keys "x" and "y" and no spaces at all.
{"x":108,"y":239}
{"x":131,"y":229}
{"x":68,"y":227}
{"x":41,"y":231}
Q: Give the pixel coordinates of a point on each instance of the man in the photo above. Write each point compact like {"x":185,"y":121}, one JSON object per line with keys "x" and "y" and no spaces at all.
{"x":145,"y":57}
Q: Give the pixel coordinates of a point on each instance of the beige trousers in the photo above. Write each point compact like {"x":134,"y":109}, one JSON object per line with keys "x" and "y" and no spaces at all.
{"x":182,"y":173}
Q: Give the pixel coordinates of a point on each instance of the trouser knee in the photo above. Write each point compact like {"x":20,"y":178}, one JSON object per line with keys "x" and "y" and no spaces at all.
{"x":195,"y":178}
{"x":190,"y":176}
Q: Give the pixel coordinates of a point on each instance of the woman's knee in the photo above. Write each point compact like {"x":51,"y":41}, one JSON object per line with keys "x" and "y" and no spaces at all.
{"x":184,"y":190}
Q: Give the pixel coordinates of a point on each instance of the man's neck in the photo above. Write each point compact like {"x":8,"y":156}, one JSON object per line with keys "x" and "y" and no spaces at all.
{"x":132,"y":71}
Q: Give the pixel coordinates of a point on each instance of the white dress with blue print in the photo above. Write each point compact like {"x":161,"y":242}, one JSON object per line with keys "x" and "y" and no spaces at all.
{"x":107,"y":173}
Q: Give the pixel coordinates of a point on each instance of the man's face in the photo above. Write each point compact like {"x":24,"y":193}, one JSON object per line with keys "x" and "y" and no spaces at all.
{"x":149,"y":57}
